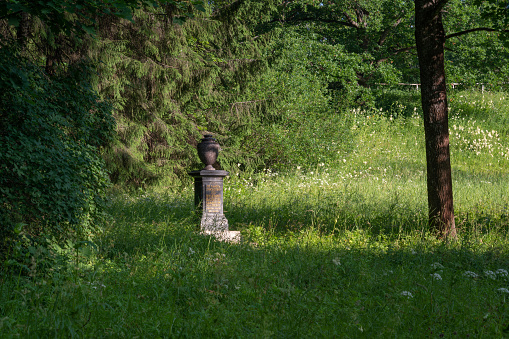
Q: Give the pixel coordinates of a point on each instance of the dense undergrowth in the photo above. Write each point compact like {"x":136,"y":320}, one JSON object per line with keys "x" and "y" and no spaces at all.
{"x":336,"y":249}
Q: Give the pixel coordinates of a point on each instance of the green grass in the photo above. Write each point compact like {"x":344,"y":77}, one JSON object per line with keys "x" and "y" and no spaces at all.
{"x":340,"y":250}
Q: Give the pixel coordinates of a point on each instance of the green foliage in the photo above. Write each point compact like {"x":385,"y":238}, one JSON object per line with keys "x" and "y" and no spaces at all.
{"x":80,"y":17}
{"x":294,"y":121}
{"x":495,"y":11}
{"x":255,"y":74}
{"x":477,"y":57}
{"x":52,"y":178}
{"x":342,"y":250}
{"x":171,"y":83}
{"x":374,"y":32}
{"x":398,"y":101}
{"x":381,"y":33}
{"x":322,"y":73}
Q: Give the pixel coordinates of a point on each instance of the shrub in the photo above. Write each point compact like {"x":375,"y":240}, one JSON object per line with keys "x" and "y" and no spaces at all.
{"x":51,"y":173}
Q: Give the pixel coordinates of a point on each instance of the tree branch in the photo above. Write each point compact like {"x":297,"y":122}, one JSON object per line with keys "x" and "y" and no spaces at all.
{"x":485,"y":29}
{"x":453,"y":35}
{"x":385,"y":33}
{"x":361,"y":13}
{"x":349,"y":23}
{"x":402,"y":50}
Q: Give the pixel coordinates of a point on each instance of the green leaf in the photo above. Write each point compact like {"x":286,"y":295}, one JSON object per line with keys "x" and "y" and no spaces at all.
{"x":13,"y":21}
{"x":179,"y":20}
{"x":19,"y":227}
{"x":200,"y":8}
{"x":198,"y":5}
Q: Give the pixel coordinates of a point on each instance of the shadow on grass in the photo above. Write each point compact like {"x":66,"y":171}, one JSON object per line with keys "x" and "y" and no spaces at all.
{"x":155,"y":276}
{"x":307,"y":284}
{"x":141,"y":224}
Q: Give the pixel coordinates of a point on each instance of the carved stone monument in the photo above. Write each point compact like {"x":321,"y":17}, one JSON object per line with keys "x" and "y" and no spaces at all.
{"x":208,"y":188}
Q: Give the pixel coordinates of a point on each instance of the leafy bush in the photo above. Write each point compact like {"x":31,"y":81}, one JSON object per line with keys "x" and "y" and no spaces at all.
{"x":51,"y":173}
{"x":398,"y":101}
{"x":302,"y":117}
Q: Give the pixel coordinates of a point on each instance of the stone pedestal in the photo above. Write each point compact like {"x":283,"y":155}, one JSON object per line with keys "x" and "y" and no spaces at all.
{"x":208,"y":199}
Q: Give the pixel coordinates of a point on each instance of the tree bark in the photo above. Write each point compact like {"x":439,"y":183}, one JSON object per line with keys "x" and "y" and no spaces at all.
{"x":23,"y":30}
{"x":430,"y":40}
{"x":54,"y":55}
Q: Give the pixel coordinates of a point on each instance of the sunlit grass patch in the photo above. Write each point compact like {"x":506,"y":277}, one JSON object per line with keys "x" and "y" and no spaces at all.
{"x":337,"y":249}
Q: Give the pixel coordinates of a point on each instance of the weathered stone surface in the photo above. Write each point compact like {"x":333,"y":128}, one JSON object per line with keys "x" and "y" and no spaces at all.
{"x":228,"y":236}
{"x":208,"y":199}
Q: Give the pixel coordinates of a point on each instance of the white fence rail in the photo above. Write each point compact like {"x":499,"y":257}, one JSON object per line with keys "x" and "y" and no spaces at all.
{"x":454,"y":84}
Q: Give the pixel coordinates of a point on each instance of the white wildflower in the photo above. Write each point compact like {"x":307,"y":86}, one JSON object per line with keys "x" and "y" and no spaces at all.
{"x":490,"y":274}
{"x":191,"y":251}
{"x":95,"y":284}
{"x":503,"y":290}
{"x":407,"y":294}
{"x":502,"y":272}
{"x":413,"y":251}
{"x":336,"y":261}
{"x":470,"y":274}
{"x":436,"y":276}
{"x":437,"y":265}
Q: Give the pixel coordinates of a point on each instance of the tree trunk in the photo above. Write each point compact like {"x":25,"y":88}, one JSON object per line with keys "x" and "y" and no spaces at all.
{"x":430,"y":39}
{"x":54,"y":55}
{"x":23,"y":30}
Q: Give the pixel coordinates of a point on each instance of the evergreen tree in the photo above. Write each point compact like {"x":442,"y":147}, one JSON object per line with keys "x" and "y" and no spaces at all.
{"x":170,"y":83}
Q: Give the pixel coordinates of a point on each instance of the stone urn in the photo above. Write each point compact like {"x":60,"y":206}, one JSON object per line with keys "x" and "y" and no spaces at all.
{"x":208,"y":149}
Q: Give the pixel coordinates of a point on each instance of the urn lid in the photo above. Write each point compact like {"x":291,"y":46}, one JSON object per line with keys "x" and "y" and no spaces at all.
{"x":208,"y":138}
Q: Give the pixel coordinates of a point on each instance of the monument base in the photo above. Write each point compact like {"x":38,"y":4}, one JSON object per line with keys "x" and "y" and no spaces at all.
{"x":208,"y":199}
{"x":228,"y":236}
{"x":214,"y":222}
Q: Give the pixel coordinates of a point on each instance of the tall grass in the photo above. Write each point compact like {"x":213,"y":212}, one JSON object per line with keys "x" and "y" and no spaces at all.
{"x":338,"y":250}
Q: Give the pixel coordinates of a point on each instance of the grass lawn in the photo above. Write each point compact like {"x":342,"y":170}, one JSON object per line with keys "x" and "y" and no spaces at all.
{"x":340,"y":250}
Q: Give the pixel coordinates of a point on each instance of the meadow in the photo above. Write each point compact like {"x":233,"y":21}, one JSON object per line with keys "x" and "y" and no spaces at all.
{"x":337,"y":249}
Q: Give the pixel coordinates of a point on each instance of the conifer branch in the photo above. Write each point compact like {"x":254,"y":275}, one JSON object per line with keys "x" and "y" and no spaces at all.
{"x":161,"y":64}
{"x":352,"y":24}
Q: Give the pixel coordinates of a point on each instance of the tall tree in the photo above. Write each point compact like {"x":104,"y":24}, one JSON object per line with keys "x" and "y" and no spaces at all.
{"x":381,"y":31}
{"x":172,"y":82}
{"x":430,"y":41}
{"x":52,"y":177}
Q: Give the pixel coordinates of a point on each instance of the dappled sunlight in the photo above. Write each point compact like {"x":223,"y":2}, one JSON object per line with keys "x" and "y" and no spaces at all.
{"x":338,"y":249}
